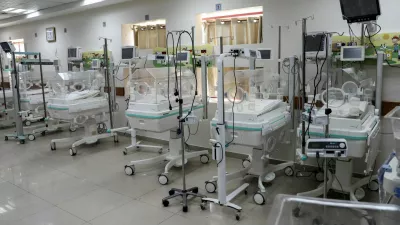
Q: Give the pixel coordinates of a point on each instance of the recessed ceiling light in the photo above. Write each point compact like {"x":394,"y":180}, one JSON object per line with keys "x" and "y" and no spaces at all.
{"x":31,"y":15}
{"x":18,"y":11}
{"x":9,"y":9}
{"x":89,"y":2}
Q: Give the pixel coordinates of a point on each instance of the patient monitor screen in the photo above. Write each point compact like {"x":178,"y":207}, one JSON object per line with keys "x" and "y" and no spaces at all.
{"x":181,"y":56}
{"x":315,"y":43}
{"x":352,"y":53}
{"x":127,"y":53}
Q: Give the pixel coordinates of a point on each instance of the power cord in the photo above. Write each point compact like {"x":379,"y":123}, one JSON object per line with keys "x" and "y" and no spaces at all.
{"x":234,"y":100}
{"x":222,"y":155}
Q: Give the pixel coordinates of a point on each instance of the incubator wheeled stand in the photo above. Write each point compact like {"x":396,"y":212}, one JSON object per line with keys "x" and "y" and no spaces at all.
{"x":93,"y":133}
{"x":136,"y":144}
{"x":173,"y":157}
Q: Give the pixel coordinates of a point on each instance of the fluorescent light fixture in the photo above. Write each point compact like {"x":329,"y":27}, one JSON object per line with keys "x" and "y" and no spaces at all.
{"x":9,"y":9}
{"x":35,"y":14}
{"x":222,"y":22}
{"x":29,"y":11}
{"x":89,"y":2}
{"x":18,"y":11}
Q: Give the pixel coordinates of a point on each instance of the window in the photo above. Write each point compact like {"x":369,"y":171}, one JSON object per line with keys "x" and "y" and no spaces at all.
{"x":150,"y":34}
{"x":240,"y":26}
{"x":19,"y":47}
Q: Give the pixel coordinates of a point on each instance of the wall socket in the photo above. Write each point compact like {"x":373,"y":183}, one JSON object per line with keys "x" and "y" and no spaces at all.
{"x":65,"y":30}
{"x":104,"y":24}
{"x":147,"y":17}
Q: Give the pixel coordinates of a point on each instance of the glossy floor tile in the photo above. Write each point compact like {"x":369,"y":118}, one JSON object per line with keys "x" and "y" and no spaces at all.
{"x":53,"y":216}
{"x":43,"y":187}
{"x":94,"y":204}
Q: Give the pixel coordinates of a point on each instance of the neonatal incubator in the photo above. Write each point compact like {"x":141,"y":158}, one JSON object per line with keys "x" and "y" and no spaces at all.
{"x":31,"y":96}
{"x":355,"y":119}
{"x":153,"y":107}
{"x":78,"y":98}
{"x":256,"y":118}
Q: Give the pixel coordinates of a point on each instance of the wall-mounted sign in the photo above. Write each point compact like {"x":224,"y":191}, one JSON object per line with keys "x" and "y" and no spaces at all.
{"x":218,"y":7}
{"x":51,"y":34}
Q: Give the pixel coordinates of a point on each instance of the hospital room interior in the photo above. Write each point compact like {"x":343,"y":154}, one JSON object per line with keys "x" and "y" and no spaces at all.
{"x":261,"y":112}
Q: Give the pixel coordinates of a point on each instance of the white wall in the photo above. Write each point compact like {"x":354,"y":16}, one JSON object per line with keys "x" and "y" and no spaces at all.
{"x":84,"y":29}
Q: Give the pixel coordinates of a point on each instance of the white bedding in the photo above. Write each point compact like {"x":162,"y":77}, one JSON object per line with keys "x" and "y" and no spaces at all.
{"x":77,"y":95}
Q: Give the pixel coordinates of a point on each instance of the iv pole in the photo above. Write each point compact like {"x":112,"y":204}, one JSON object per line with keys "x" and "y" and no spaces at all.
{"x":180,"y":133}
{"x":107,"y":77}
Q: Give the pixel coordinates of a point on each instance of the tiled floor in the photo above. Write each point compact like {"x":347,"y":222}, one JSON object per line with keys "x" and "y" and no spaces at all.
{"x":41,"y":187}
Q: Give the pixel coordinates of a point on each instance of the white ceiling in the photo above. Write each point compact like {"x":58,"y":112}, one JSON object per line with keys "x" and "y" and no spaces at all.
{"x":28,"y":5}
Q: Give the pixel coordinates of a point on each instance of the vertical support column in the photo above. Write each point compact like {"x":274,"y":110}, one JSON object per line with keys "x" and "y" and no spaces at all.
{"x":107,"y":77}
{"x":279,"y":53}
{"x":204,"y":86}
{"x":221,"y":148}
{"x":2,"y":83}
{"x":303,"y":97}
{"x":17,"y":102}
{"x":42,"y":82}
{"x":379,"y":82}
{"x":292,"y":89}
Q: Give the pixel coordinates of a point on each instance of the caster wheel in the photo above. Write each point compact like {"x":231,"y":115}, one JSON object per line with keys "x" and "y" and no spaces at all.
{"x":245,"y":192}
{"x":246,"y":163}
{"x":43,"y":133}
{"x":6,"y":138}
{"x":130,"y":170}
{"x":116,"y":139}
{"x":289,"y":171}
{"x":125,"y":152}
{"x":196,"y":190}
{"x":185,"y":209}
{"x":165,"y":203}
{"x":259,"y":198}
{"x":237,"y":216}
{"x":211,"y":187}
{"x":203,"y":206}
{"x":171,"y":192}
{"x":204,"y":159}
{"x":373,"y":185}
{"x":27,"y":123}
{"x":160,"y":151}
{"x":22,"y":142}
{"x":319,"y":176}
{"x":31,"y":137}
{"x":53,"y":146}
{"x":163,"y":179}
{"x":72,"y":128}
{"x":359,"y":193}
{"x":296,"y":212}
{"x":73,"y":151}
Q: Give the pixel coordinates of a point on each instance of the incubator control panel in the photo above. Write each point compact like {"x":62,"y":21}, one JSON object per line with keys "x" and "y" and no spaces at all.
{"x":326,"y":148}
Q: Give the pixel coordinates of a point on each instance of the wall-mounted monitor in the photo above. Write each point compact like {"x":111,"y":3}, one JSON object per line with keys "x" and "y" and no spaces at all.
{"x":317,"y":44}
{"x":75,"y":54}
{"x":352,"y":53}
{"x":360,"y":10}
{"x":265,"y":53}
{"x":7,"y":47}
{"x":128,"y":52}
{"x":183,"y":57}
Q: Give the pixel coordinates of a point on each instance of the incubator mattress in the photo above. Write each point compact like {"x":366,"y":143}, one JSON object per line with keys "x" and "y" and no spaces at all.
{"x":252,"y":132}
{"x":68,"y":110}
{"x":158,"y":121}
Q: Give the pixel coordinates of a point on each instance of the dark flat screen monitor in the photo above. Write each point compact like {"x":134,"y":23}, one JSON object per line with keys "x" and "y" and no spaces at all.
{"x":360,"y":10}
